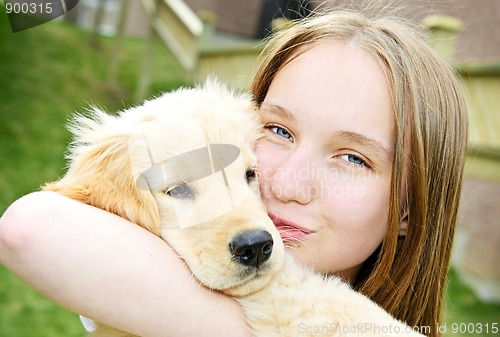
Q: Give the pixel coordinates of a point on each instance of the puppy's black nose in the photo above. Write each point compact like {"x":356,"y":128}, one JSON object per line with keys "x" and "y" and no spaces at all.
{"x":252,"y":248}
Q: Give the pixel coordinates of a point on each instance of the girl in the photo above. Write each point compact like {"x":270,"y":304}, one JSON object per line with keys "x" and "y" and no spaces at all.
{"x":361,"y":170}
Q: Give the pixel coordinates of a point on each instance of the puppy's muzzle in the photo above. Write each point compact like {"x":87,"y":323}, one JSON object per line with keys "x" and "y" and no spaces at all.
{"x":252,"y":248}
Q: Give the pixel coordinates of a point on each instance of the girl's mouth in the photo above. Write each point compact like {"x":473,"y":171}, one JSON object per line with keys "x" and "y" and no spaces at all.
{"x":290,"y":232}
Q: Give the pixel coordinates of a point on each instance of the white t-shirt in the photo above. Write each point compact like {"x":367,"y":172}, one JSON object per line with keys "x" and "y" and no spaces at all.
{"x":88,"y":324}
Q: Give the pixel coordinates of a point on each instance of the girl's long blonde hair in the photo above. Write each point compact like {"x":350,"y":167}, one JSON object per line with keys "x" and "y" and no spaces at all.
{"x":407,"y":274}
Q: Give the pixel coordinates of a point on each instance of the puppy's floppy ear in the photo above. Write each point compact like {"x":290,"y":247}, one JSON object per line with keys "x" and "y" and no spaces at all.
{"x":100,"y":171}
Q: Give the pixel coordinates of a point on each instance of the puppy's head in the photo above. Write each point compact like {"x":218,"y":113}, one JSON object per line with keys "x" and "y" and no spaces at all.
{"x":182,"y":166}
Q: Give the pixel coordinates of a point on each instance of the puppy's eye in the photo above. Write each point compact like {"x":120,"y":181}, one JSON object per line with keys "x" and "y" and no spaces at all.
{"x":250,"y":175}
{"x":180,"y":191}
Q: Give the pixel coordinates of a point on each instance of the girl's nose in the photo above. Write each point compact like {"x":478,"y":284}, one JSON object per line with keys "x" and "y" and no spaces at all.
{"x":296,"y":179}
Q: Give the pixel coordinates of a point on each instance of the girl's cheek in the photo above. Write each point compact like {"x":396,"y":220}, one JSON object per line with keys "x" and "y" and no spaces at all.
{"x":357,"y":197}
{"x":265,"y":171}
{"x":345,"y":186}
{"x":267,"y":160}
{"x":261,"y":153}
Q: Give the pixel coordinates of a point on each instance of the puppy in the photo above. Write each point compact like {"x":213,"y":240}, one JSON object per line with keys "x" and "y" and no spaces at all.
{"x":181,"y":166}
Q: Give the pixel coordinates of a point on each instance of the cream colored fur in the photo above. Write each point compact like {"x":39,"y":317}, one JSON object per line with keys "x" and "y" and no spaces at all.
{"x":108,"y":159}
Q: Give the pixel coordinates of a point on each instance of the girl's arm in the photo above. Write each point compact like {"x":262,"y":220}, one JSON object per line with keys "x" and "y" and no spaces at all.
{"x":106,"y":268}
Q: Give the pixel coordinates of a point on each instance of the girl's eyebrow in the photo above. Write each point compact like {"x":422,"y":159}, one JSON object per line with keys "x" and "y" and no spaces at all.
{"x":277,"y":110}
{"x":372,"y":145}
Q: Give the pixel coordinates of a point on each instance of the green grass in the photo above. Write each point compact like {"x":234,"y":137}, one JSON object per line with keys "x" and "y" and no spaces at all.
{"x":46,"y":74}
{"x":464,"y":309}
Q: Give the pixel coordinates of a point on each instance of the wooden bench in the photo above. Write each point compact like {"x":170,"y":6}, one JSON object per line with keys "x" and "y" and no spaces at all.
{"x":199,"y":50}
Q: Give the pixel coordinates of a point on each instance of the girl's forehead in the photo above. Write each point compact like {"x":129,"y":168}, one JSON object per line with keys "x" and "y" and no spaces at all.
{"x":333,"y":85}
{"x":330,"y":67}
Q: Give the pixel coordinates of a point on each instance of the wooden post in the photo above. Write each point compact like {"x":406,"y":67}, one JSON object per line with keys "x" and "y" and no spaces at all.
{"x":117,"y":45}
{"x":145,"y":71}
{"x":98,"y":14}
{"x":444,"y":31}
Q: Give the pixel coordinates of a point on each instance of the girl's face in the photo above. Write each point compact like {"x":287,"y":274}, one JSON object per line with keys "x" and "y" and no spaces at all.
{"x":326,"y":157}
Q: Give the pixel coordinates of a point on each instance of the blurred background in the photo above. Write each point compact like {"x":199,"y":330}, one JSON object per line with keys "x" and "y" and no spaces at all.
{"x":114,"y":53}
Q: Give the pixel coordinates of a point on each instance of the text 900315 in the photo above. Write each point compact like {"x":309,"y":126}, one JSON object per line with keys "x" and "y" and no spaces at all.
{"x":25,"y":14}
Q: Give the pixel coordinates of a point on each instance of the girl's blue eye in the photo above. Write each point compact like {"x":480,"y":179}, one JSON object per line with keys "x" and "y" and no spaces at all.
{"x":282,"y":132}
{"x":353,"y":159}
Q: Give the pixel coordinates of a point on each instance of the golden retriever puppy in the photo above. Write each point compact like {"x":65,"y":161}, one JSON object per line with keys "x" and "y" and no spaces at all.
{"x":181,"y":165}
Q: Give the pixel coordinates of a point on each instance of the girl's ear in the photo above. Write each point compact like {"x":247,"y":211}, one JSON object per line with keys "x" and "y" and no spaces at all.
{"x":403,"y":225}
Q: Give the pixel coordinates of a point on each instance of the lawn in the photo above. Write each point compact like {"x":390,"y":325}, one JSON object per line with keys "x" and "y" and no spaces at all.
{"x":46,"y":74}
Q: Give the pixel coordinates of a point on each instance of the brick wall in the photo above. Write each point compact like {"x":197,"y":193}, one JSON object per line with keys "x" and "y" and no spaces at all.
{"x":481,"y":36}
{"x":234,"y":16}
{"x":480,"y":39}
